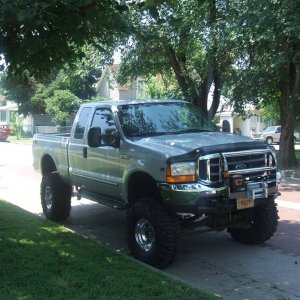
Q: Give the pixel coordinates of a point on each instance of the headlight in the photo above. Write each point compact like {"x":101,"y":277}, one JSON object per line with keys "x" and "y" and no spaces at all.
{"x":181,"y":172}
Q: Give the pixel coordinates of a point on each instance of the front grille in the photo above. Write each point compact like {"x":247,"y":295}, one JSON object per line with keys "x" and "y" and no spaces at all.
{"x":251,"y":164}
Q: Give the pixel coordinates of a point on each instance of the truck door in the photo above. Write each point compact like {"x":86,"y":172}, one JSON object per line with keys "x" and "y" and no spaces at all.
{"x":77,"y":147}
{"x":102,"y":165}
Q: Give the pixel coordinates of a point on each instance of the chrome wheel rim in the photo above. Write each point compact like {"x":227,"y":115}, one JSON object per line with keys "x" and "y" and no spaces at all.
{"x":48,"y":197}
{"x":144,"y":234}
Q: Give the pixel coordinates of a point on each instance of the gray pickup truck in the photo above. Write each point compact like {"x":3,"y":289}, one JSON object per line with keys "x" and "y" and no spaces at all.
{"x":168,"y":166}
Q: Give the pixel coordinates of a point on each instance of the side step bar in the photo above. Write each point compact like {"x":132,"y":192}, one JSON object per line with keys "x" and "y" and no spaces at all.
{"x":101,"y":199}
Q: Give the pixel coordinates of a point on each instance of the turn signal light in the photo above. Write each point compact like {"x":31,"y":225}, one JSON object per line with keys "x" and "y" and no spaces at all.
{"x":179,"y":178}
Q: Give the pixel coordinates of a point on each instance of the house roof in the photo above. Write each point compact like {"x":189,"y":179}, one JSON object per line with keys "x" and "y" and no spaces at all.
{"x":10,"y":106}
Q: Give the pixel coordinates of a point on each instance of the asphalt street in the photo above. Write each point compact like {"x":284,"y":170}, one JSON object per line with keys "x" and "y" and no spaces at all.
{"x":212,"y":261}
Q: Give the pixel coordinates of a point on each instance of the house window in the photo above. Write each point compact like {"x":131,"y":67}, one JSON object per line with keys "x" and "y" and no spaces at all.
{"x":140,"y":88}
{"x":2,"y":116}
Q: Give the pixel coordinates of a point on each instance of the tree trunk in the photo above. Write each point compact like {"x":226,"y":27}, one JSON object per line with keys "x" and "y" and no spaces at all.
{"x":216,"y":96}
{"x":177,"y":71}
{"x":201,"y":100}
{"x":287,"y":121}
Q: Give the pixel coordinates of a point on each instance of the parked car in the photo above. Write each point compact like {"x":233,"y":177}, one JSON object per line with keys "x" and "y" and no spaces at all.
{"x":4,"y":132}
{"x":272,"y":135}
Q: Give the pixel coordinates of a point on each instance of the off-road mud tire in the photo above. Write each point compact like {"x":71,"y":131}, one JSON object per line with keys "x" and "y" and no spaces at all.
{"x":262,"y":227}
{"x":55,"y":197}
{"x":163,"y":233}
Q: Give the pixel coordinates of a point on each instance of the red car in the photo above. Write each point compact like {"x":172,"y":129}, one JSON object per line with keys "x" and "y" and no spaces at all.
{"x":4,"y":132}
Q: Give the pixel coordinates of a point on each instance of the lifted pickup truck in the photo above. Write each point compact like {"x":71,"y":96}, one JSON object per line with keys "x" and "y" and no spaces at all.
{"x":165,"y":163}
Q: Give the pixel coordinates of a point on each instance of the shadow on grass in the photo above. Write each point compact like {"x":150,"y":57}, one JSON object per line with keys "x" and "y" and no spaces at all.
{"x":43,"y":260}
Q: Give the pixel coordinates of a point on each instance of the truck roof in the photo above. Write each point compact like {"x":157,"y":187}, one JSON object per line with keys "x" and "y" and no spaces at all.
{"x":127,"y":102}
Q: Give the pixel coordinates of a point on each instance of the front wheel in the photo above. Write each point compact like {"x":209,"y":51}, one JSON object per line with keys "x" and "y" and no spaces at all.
{"x":262,"y":226}
{"x":269,"y":140}
{"x":151,"y":233}
{"x":55,"y":197}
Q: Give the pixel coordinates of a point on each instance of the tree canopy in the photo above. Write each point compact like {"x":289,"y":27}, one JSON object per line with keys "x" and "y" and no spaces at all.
{"x":61,"y":105}
{"x":38,"y":36}
{"x":31,"y":95}
{"x":267,"y":55}
{"x":247,"y":50}
{"x":183,"y":38}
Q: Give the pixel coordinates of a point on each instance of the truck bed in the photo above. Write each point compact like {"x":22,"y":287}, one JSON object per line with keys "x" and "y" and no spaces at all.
{"x":56,"y":146}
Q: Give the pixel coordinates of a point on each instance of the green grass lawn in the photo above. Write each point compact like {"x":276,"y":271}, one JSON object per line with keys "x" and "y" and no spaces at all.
{"x":43,"y":260}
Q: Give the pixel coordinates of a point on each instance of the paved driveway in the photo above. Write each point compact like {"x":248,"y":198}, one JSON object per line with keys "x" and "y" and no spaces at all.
{"x":211,"y":261}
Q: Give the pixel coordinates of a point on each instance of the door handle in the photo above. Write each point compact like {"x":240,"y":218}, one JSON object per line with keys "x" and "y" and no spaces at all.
{"x":84,"y":152}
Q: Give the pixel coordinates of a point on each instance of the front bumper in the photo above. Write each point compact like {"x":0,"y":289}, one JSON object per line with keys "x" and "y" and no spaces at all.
{"x":199,"y":198}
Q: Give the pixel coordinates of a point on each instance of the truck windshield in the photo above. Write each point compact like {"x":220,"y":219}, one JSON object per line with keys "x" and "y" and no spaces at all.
{"x":147,"y":119}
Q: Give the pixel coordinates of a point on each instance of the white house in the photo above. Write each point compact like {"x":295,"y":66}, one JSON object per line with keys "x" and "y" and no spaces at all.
{"x":250,"y":126}
{"x":6,"y":110}
{"x":107,"y":86}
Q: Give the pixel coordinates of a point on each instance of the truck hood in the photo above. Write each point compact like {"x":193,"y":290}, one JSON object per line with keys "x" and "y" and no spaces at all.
{"x":178,"y":144}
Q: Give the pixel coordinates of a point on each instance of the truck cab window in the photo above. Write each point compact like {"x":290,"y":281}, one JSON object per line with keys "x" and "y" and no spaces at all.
{"x":81,"y":123}
{"x":103,"y":118}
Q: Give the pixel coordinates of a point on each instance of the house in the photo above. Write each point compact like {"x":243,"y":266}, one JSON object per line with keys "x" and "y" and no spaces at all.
{"x":7,"y":108}
{"x":250,"y":126}
{"x":108,"y":87}
{"x":33,"y":123}
{"x":38,"y":123}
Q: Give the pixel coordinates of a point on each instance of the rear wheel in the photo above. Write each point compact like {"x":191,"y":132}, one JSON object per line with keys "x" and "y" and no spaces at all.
{"x":262,"y":226}
{"x":55,"y":197}
{"x":152,"y":233}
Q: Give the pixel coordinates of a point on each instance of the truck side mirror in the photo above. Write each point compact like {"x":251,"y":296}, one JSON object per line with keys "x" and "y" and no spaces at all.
{"x":97,"y":139}
{"x":94,"y":139}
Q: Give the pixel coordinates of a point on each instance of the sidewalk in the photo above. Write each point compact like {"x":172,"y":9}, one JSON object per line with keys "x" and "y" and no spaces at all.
{"x":291,"y":174}
{"x":290,"y":189}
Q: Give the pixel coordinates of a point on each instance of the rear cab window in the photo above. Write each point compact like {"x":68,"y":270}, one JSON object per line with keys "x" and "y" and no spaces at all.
{"x":81,"y":123}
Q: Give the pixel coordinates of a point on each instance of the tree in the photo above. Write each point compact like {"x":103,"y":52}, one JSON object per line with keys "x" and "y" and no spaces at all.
{"x":160,"y":87}
{"x":182,"y":39}
{"x":20,"y":89}
{"x":16,"y":125}
{"x":79,"y":81}
{"x":30,"y":94}
{"x":267,"y":58}
{"x":40,"y":36}
{"x":61,"y":105}
{"x":270,"y":111}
